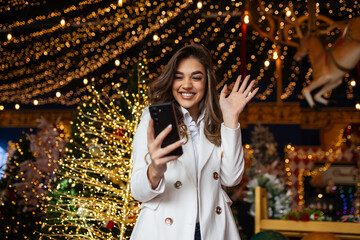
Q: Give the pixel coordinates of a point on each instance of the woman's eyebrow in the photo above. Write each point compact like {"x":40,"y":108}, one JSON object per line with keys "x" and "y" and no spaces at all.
{"x":197,"y":72}
{"x":193,"y":73}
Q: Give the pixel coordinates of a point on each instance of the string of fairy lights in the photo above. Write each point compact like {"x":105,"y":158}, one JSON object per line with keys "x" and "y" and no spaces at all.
{"x":91,"y":40}
{"x":103,"y":169}
{"x":327,"y":157}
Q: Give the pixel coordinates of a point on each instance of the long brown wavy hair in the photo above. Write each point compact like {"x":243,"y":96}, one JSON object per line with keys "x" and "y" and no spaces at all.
{"x":160,"y":90}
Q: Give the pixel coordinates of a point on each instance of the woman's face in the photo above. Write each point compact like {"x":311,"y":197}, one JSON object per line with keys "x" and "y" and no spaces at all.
{"x":188,"y":86}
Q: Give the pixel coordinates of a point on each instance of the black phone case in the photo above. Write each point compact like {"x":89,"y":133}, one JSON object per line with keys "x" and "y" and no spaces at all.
{"x":163,"y":114}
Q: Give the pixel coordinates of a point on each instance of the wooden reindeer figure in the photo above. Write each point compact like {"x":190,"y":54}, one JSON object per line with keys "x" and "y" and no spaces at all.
{"x":329,"y":66}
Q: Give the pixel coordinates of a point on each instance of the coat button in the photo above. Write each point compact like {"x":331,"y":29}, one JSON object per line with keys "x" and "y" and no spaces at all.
{"x":218,"y":210}
{"x":169,"y":221}
{"x":215,"y":175}
{"x":178,"y":184}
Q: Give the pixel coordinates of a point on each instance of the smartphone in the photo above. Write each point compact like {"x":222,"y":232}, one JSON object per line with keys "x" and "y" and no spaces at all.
{"x":163,"y":115}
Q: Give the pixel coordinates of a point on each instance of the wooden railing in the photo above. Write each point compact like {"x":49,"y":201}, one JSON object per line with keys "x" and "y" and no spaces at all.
{"x":291,"y":228}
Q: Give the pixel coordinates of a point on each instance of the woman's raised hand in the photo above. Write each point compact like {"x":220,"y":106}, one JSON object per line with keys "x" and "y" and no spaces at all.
{"x":232,"y":105}
{"x":157,"y":154}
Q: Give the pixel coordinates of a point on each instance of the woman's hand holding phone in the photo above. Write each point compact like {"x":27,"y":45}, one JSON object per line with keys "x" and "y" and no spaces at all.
{"x":159,"y":156}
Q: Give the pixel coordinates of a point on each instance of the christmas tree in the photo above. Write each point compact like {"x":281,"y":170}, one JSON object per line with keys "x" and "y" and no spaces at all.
{"x":265,"y":158}
{"x":92,"y":198}
{"x":265,"y":172}
{"x":27,"y":180}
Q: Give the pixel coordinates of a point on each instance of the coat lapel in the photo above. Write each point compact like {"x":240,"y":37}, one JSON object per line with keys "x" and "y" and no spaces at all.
{"x":188,"y":160}
{"x":206,"y":148}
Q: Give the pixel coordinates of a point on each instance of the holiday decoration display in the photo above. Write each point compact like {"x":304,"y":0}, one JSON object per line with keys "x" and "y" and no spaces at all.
{"x":278,"y":198}
{"x":28,"y":178}
{"x":314,"y":163}
{"x":329,"y":65}
{"x":92,"y":199}
{"x":265,"y":158}
{"x":265,"y":172}
{"x":330,"y":62}
{"x":305,"y":214}
{"x":90,"y":41}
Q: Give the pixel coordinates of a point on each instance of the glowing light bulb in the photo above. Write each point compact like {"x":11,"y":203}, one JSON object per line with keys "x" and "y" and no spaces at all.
{"x":267,"y":63}
{"x":275,"y":55}
{"x":1,"y":107}
{"x":58,"y":94}
{"x":353,"y":83}
{"x":117,"y":62}
{"x":120,"y":3}
{"x":156,"y":37}
{"x":357,"y":106}
{"x":246,"y":19}
{"x":62,"y":22}
{"x":17,"y":106}
{"x":9,"y":36}
{"x":36,"y":102}
{"x":199,"y":4}
{"x":85,"y":81}
{"x":288,"y":13}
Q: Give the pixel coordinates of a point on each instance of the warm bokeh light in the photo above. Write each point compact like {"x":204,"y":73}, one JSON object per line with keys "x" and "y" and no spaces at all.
{"x":357,"y":106}
{"x":156,"y":37}
{"x":266,"y":63}
{"x":117,"y":62}
{"x":62,"y":22}
{"x":36,"y":102}
{"x":246,"y":19}
{"x":275,"y":55}
{"x":58,"y":94}
{"x":17,"y":106}
{"x":85,"y":81}
{"x":199,"y":4}
{"x":9,"y":36}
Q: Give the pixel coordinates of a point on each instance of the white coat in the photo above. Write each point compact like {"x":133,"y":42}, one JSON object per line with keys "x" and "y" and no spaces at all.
{"x":169,"y":212}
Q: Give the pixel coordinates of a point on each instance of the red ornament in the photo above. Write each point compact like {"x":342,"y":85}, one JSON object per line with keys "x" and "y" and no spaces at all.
{"x":110,"y":225}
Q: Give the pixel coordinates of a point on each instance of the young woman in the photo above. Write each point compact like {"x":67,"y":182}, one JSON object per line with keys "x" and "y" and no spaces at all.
{"x":182,"y":196}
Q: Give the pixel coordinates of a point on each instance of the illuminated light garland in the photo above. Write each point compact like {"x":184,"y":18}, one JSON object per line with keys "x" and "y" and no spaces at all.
{"x":50,"y":15}
{"x":42,"y":101}
{"x":331,"y":156}
{"x":52,"y":65}
{"x":18,"y":5}
{"x":106,"y":145}
{"x":11,"y":96}
{"x":39,"y":49}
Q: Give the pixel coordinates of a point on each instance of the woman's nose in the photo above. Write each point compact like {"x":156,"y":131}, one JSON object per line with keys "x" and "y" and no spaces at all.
{"x":187,"y":83}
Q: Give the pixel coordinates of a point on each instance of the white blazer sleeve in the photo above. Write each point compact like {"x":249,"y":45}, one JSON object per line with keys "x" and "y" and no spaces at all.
{"x":232,"y":159}
{"x":140,"y":185}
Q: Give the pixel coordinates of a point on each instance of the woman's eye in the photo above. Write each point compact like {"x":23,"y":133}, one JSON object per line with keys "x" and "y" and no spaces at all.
{"x":197,"y":78}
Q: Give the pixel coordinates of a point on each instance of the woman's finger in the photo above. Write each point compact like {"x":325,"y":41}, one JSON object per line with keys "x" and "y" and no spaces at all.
{"x":237,"y":84}
{"x":162,"y":135}
{"x":150,"y":132}
{"x":248,"y":89}
{"x":172,"y":147}
{"x":244,"y":83}
{"x":252,"y":94}
{"x":223,"y":92}
{"x":168,"y":159}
